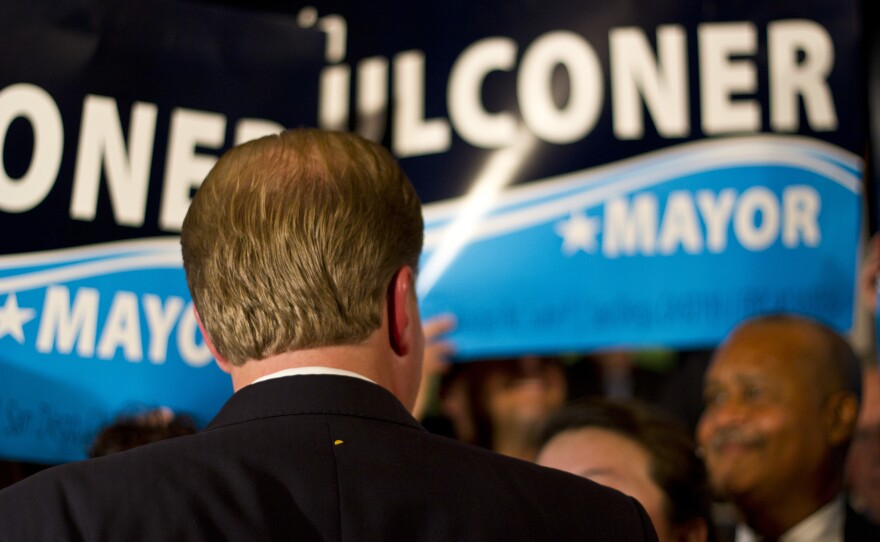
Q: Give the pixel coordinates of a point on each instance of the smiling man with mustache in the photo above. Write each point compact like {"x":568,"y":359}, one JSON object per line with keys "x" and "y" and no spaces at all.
{"x":782,"y":395}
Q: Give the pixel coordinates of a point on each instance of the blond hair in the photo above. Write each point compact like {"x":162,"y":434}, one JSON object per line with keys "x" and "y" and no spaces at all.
{"x":292,"y":241}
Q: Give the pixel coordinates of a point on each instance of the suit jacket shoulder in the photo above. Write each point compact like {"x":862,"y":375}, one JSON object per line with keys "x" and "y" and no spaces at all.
{"x":315,"y":458}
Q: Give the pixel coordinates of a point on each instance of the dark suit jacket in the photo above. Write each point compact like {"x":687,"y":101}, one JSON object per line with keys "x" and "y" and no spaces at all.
{"x":314,"y":458}
{"x":857,"y":528}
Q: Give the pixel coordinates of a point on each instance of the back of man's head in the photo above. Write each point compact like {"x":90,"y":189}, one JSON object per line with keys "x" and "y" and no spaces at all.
{"x":293,"y":239}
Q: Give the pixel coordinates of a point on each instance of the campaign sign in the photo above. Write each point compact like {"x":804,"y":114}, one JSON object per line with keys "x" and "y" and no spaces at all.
{"x":634,"y":173}
{"x":93,"y":331}
{"x":111,"y":114}
{"x":627,"y":174}
{"x":671,"y":247}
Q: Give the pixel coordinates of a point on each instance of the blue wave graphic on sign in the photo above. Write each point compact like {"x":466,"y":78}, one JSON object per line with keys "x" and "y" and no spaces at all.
{"x":670,"y":248}
{"x":88,"y":332}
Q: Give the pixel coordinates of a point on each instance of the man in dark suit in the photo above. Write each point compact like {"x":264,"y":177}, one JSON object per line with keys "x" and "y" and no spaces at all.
{"x":300,"y":252}
{"x":782,"y":395}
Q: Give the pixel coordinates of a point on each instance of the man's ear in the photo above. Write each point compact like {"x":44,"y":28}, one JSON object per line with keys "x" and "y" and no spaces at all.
{"x":398,"y":307}
{"x":221,"y":362}
{"x":842,"y":410}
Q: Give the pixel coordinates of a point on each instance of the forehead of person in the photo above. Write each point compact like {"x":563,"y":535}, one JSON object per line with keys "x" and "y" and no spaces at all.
{"x":774,"y":411}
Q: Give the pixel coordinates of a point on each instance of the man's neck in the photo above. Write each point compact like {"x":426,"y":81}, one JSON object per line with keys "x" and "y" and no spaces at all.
{"x":359,"y":358}
{"x":312,"y":370}
{"x":773,"y":517}
{"x":375,"y":357}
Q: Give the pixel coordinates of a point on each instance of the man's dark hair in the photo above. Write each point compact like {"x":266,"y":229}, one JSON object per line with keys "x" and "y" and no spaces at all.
{"x":131,"y":431}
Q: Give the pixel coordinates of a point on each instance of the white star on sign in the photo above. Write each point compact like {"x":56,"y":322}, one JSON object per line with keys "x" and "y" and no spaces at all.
{"x":578,"y":233}
{"x":12,"y":319}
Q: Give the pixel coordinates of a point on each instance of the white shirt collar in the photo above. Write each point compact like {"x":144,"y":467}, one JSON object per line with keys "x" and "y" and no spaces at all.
{"x":824,"y":524}
{"x":315,"y":370}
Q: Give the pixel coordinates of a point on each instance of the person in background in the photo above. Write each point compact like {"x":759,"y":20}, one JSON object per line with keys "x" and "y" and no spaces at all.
{"x":436,"y":362}
{"x":300,"y":252}
{"x":647,"y":455}
{"x":781,"y":400}
{"x":130,"y":431}
{"x":502,"y":404}
{"x":863,"y":462}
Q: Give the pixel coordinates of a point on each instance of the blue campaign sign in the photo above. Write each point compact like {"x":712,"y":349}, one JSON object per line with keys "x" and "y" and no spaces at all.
{"x":93,"y":331}
{"x":634,"y":173}
{"x":672,"y":247}
{"x":111,"y":113}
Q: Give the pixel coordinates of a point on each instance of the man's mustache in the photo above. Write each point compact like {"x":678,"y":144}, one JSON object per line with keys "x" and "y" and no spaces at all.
{"x":732,"y":436}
